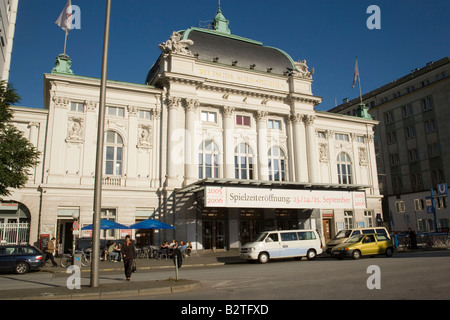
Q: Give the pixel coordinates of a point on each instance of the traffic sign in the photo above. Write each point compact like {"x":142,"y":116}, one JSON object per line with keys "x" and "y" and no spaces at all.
{"x":442,"y":189}
{"x":75,"y":226}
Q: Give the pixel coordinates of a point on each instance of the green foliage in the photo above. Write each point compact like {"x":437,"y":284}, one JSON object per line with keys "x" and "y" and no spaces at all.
{"x":17,"y":154}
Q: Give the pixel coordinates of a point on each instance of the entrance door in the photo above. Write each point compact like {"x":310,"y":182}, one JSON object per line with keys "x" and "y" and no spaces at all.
{"x":213,"y":234}
{"x":326,"y":224}
{"x":65,"y":236}
{"x":249,"y":230}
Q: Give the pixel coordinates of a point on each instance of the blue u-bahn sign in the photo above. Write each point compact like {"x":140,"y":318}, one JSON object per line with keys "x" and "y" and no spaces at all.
{"x":442,"y":189}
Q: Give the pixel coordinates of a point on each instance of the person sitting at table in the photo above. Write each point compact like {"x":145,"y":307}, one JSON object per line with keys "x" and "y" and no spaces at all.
{"x":189,"y":248}
{"x":113,"y":254}
{"x":164,"y":249}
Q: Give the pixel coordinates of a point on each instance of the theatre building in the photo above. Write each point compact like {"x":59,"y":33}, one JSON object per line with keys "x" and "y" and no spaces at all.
{"x":222,"y":141}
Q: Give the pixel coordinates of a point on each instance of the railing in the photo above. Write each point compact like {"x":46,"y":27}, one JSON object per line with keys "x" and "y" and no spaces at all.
{"x":424,"y":241}
{"x":112,"y":181}
{"x":14,"y":233}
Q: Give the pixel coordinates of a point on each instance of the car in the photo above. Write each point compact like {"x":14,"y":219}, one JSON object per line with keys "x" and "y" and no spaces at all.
{"x":282,"y":244}
{"x":20,"y":258}
{"x":364,"y":245}
{"x":345,"y":234}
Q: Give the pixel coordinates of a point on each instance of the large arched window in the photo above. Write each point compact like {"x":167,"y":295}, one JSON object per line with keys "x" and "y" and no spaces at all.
{"x":277,"y":164}
{"x":208,"y":160}
{"x":243,"y":162}
{"x":344,"y":168}
{"x":114,"y":154}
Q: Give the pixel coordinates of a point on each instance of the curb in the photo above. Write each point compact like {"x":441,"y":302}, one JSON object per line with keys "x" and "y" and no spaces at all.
{"x":116,"y":293}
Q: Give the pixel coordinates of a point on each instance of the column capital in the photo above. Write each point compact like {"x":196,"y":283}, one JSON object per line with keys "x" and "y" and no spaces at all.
{"x":261,"y":115}
{"x":228,"y":111}
{"x":309,"y":119}
{"x":191,"y":104}
{"x":173,"y":102}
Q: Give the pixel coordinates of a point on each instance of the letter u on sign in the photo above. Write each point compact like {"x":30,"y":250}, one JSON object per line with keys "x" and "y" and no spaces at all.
{"x":442,"y":189}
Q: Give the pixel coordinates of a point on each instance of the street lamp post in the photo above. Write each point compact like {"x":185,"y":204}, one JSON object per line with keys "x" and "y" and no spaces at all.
{"x":99,"y":157}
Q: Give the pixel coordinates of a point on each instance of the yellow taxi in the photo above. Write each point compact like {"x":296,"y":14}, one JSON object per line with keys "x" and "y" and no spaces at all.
{"x":364,"y":245}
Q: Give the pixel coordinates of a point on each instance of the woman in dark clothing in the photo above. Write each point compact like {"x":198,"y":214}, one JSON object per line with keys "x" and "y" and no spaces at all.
{"x":128,"y":255}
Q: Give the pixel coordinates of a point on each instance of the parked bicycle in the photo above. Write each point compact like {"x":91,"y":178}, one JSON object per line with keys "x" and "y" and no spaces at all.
{"x":68,"y":259}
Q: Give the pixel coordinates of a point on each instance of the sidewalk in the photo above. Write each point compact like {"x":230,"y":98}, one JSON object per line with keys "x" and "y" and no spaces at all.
{"x":120,"y":289}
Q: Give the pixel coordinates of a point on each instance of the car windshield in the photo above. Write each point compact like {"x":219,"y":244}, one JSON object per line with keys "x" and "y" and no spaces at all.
{"x":355,"y":239}
{"x":343,"y":234}
{"x":261,"y":237}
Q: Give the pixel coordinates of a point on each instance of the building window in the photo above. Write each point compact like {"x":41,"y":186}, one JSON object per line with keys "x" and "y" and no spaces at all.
{"x":243,"y":162}
{"x":144,"y":114}
{"x":207,"y":116}
{"x":368,"y":219}
{"x":277,"y":161}
{"x":389,"y":117}
{"x":77,"y":107}
{"x":243,"y":120}
{"x":400,"y":206}
{"x":407,"y":110}
{"x":341,"y":137}
{"x":427,"y":103}
{"x":430,"y":126}
{"x":419,"y":204}
{"x":321,"y":135}
{"x":348,"y":219}
{"x":410,"y":132}
{"x":274,"y":124}
{"x":413,"y":155}
{"x":208,"y":160}
{"x":114,"y":154}
{"x":392,"y":137}
{"x":344,"y":167}
{"x":115,"y":111}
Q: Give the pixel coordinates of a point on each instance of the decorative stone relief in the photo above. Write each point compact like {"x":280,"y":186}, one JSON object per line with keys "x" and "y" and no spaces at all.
{"x":132,"y":111}
{"x":363,"y":159}
{"x":176,"y":45}
{"x":309,"y":119}
{"x":75,"y":128}
{"x":191,"y":104}
{"x":227,"y":111}
{"x":144,"y":136}
{"x":91,"y":105}
{"x":323,"y":152}
{"x":173,"y":102}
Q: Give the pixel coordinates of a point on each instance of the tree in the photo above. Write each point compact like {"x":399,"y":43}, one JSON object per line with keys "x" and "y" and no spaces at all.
{"x":17,"y":154}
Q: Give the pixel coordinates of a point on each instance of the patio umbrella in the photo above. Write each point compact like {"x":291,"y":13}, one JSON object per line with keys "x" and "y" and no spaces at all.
{"x":107,"y":225}
{"x":150,"y":224}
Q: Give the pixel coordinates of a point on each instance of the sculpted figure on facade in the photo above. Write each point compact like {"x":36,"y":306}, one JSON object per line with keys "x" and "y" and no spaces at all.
{"x":176,"y":45}
{"x":302,"y":70}
{"x":145,"y":136}
{"x":75,"y":129}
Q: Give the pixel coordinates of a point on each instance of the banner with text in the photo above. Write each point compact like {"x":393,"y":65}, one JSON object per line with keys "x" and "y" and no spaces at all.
{"x":229,"y":197}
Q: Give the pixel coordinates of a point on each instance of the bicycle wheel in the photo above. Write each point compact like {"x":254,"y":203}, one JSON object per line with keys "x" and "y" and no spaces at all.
{"x":66,"y":261}
{"x":85,"y":262}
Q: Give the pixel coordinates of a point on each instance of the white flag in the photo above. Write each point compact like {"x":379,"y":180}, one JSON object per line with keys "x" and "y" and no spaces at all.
{"x":66,"y":17}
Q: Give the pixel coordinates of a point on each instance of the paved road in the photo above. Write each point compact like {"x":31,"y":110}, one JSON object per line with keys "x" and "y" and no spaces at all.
{"x":418,"y":275}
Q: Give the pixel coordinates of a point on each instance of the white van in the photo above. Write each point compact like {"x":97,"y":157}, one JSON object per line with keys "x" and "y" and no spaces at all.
{"x":283,"y":244}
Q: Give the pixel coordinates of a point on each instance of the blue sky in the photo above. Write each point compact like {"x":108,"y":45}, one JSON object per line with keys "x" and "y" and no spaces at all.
{"x":328,"y":34}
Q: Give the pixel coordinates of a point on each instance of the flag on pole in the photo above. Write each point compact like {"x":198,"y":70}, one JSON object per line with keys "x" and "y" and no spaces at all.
{"x":356,"y":75}
{"x":65,"y":18}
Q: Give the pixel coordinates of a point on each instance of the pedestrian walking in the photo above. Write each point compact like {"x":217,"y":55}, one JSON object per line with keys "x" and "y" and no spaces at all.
{"x":128,"y":255}
{"x":50,"y":251}
{"x":413,"y":238}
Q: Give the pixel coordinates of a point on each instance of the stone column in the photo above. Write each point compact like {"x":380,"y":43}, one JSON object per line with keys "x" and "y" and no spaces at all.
{"x":312,"y":152}
{"x":190,"y":147}
{"x":173,"y":105}
{"x":300,"y":159}
{"x":228,"y":142}
{"x":263,"y":167}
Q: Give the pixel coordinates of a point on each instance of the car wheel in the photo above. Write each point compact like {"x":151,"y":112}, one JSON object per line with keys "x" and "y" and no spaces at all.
{"x":389,"y":252}
{"x":311,"y":255}
{"x":21,"y":268}
{"x":263,"y":257}
{"x":356,"y":254}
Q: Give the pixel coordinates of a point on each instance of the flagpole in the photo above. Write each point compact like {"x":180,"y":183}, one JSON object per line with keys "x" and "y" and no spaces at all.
{"x":359,"y":83}
{"x":99,"y":157}
{"x":65,"y":41}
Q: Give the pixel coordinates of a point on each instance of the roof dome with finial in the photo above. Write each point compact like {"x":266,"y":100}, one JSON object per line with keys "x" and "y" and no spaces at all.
{"x":218,"y":45}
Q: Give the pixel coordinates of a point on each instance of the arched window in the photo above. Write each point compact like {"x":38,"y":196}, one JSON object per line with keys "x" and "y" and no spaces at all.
{"x":344,"y":167}
{"x":114,"y":154}
{"x":277,"y":161}
{"x":243,"y":162}
{"x":208,"y":160}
